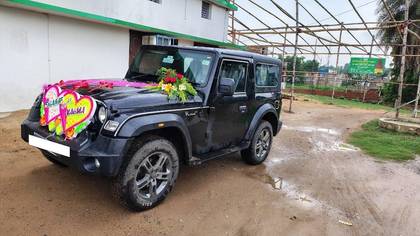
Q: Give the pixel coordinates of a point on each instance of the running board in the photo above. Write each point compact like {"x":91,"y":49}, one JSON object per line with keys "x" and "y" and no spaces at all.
{"x":199,"y":159}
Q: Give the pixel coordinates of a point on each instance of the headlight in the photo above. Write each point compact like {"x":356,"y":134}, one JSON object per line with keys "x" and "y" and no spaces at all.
{"x":102,"y":114}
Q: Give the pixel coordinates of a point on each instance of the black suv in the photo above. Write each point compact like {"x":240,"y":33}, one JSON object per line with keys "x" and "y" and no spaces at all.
{"x":144,"y":136}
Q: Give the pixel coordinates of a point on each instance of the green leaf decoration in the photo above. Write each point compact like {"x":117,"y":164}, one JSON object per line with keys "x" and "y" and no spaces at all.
{"x":175,"y":85}
{"x":80,"y":127}
{"x":59,"y":130}
{"x":51,"y":126}
{"x":41,"y":110}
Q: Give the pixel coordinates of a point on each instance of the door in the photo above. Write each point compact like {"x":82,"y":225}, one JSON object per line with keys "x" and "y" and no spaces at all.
{"x":229,"y":117}
{"x":136,"y":38}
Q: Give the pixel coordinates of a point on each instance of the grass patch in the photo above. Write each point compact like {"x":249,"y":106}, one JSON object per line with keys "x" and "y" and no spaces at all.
{"x":317,"y":87}
{"x":347,"y":103}
{"x":385,"y":144}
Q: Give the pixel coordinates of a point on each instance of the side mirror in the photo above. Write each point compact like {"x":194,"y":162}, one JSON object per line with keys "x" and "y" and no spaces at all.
{"x":227,"y":86}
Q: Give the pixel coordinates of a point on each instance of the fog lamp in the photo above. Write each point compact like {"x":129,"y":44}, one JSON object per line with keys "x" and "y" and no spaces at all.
{"x":111,"y":125}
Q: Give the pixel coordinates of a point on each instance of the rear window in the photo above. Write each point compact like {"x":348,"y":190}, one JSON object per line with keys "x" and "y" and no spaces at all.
{"x":267,"y":75}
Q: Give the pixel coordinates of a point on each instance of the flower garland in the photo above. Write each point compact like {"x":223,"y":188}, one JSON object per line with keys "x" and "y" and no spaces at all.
{"x":175,"y":85}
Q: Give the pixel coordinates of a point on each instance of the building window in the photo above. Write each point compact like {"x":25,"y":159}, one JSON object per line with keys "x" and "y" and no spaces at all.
{"x":165,"y":41}
{"x":156,"y":1}
{"x":205,"y":10}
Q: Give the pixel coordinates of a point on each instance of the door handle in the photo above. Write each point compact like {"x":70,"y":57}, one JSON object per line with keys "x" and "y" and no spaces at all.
{"x":243,"y":109}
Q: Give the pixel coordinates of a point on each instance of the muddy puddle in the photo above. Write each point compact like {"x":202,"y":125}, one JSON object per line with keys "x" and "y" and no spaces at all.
{"x":324,"y":139}
{"x":321,"y":140}
{"x":294,"y":195}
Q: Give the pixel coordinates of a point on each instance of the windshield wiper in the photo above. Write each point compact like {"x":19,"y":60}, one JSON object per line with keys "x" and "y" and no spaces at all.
{"x":195,"y":84}
{"x":138,"y":76}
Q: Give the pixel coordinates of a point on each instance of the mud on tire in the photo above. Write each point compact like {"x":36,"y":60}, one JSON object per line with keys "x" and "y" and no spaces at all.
{"x":148,"y":173}
{"x":260,"y":144}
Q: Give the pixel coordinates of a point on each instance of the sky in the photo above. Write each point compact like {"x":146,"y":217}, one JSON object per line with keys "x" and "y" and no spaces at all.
{"x":340,"y":8}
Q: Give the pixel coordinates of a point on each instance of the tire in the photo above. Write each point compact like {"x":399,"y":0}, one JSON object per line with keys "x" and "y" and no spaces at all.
{"x":148,"y":174}
{"x":49,"y":156}
{"x":260,"y":145}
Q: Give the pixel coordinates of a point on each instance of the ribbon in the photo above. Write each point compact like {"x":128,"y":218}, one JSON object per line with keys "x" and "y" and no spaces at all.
{"x":94,"y":84}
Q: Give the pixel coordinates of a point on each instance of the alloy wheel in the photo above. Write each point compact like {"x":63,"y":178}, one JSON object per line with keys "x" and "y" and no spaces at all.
{"x":153,"y":174}
{"x":263,"y":144}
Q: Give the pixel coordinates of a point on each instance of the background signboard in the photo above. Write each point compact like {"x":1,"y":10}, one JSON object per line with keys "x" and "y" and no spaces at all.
{"x":360,"y":65}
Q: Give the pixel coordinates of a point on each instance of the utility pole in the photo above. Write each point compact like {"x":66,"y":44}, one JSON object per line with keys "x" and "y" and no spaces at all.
{"x":404,"y":50}
{"x":294,"y":56}
{"x":336,"y":61}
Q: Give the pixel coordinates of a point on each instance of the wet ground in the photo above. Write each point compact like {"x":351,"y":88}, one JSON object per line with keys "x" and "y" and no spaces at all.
{"x":313,"y":183}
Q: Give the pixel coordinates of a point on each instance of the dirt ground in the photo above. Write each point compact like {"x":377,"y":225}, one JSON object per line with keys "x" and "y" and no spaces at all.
{"x":310,"y":182}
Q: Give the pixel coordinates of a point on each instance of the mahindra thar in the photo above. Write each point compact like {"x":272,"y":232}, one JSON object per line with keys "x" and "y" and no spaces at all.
{"x":139,"y":137}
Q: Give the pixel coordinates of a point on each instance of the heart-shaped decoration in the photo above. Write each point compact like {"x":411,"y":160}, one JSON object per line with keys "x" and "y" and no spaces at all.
{"x":75,"y":109}
{"x":51,"y":101}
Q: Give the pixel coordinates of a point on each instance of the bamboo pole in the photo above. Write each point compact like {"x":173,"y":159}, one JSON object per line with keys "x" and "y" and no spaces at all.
{"x":376,"y":23}
{"x":362,"y":54}
{"x":336,"y":63}
{"x":391,"y":16}
{"x":336,"y":45}
{"x":284,"y":42}
{"x":294,"y":56}
{"x":402,"y":71}
{"x":233,"y":25}
{"x":416,"y":105}
{"x":278,"y":18}
{"x":323,"y":27}
{"x":313,"y":69}
{"x":308,"y":30}
{"x":368,"y":76}
{"x":258,"y":19}
{"x":364,"y":23}
{"x":299,"y":23}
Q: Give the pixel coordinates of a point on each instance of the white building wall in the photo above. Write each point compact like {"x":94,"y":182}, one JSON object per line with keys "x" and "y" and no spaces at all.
{"x":85,"y":50}
{"x":23,"y":57}
{"x":183,"y":16}
{"x":36,"y":49}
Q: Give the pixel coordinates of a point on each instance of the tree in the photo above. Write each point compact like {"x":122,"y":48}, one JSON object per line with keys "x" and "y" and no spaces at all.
{"x":311,"y":65}
{"x":393,"y":36}
{"x":302,"y":67}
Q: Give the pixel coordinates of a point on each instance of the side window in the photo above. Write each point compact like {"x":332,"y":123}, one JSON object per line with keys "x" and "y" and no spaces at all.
{"x":236,"y":71}
{"x":267,"y":75}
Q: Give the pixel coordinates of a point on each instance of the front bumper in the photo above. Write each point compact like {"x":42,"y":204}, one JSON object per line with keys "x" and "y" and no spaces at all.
{"x":84,"y":149}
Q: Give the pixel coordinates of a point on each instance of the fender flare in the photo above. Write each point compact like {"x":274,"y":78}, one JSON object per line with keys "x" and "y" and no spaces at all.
{"x":139,"y":125}
{"x":259,"y":114}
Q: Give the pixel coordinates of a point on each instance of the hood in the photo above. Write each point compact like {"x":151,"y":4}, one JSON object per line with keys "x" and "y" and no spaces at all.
{"x":135,"y":98}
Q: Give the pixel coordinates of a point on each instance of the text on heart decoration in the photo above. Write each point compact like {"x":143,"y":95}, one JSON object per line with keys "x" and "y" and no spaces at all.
{"x":66,"y":112}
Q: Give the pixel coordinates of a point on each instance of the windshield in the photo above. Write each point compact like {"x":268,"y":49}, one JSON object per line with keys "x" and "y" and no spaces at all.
{"x":192,"y":64}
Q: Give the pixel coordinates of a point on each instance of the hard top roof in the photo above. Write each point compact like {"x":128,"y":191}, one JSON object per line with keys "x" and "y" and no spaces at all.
{"x":223,"y":52}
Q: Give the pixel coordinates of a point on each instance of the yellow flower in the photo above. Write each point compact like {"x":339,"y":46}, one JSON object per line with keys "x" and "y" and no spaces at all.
{"x":168,"y":88}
